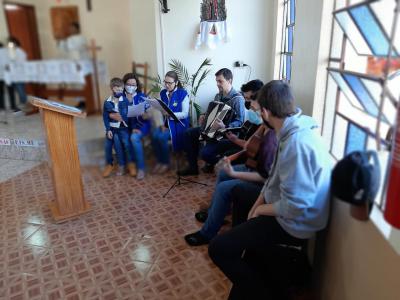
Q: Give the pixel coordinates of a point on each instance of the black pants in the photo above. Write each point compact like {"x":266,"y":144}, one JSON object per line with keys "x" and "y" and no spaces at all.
{"x":243,"y":199}
{"x":210,"y":153}
{"x":11,"y":95}
{"x":226,"y":251}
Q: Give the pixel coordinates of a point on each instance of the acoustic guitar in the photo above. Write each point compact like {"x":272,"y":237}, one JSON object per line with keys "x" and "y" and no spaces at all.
{"x":250,"y":150}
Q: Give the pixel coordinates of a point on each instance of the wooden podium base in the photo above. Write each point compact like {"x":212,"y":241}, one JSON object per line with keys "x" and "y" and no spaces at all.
{"x":64,"y":163}
{"x":60,"y":218}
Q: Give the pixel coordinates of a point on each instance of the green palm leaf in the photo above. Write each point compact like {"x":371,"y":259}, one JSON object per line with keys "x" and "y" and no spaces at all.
{"x":200,"y":81}
{"x":181,"y":70}
{"x":197,"y":108}
{"x":205,"y":63}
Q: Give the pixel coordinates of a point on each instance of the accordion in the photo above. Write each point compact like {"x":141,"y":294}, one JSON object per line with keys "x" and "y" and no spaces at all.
{"x":216,"y":111}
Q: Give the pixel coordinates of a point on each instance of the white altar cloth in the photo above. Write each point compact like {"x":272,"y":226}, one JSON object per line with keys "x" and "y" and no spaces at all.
{"x":52,"y":71}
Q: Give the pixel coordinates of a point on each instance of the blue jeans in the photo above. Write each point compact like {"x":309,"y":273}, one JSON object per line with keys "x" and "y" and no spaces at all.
{"x":20,"y":87}
{"x":121,"y":147}
{"x":108,"y":145}
{"x":137,"y":148}
{"x":221,"y":201}
{"x":160,"y":145}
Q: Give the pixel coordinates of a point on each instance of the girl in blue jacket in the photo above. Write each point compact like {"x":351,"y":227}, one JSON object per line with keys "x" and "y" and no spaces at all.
{"x":177,"y":99}
{"x":138,"y":126}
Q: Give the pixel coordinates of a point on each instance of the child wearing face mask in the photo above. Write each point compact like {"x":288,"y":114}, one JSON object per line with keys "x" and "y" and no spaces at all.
{"x":139,"y":127}
{"x":117,"y":133}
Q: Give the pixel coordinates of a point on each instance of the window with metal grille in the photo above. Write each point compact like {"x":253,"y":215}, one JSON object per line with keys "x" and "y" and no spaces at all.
{"x":363,"y":85}
{"x":289,"y":14}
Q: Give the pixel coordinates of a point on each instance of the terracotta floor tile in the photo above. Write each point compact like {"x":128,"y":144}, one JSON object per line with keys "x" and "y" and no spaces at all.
{"x":129,"y":246}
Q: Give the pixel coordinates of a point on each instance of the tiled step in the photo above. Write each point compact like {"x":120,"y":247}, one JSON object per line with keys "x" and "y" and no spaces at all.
{"x":90,"y":151}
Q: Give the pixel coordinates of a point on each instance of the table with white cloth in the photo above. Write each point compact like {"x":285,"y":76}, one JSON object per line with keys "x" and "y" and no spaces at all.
{"x":62,"y":72}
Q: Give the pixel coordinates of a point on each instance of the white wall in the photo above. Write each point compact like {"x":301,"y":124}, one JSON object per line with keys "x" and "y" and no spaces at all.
{"x":310,"y":54}
{"x":251,"y":29}
{"x":358,"y":263}
{"x":144,"y":33}
{"x":3,"y":25}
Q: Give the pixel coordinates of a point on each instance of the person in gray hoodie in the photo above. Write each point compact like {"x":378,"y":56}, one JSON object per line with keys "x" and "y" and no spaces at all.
{"x":294,"y":202}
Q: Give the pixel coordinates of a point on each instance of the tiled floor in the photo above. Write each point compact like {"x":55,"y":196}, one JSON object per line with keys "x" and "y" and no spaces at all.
{"x":130,"y":246}
{"x":11,"y":167}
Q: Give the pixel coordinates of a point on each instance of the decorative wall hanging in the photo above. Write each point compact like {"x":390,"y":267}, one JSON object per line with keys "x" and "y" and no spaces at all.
{"x":213,"y":27}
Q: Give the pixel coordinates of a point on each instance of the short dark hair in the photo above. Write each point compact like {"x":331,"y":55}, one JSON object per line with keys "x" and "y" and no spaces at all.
{"x":175,"y":77}
{"x":226,"y":73}
{"x":276,"y":96}
{"x":253,"y":85}
{"x":128,"y":76}
{"x":116,"y":82}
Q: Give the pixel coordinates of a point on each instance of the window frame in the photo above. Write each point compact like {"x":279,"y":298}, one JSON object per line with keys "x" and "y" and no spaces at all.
{"x":285,"y":72}
{"x":391,"y":234}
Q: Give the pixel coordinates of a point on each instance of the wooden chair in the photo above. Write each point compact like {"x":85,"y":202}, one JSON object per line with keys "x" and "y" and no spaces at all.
{"x":144,"y":75}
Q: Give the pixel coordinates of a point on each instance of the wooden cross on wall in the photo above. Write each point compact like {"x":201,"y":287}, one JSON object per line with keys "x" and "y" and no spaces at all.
{"x":93,"y":48}
{"x":89,"y":5}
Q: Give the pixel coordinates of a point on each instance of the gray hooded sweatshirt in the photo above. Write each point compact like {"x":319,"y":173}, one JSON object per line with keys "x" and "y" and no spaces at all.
{"x":299,"y":181}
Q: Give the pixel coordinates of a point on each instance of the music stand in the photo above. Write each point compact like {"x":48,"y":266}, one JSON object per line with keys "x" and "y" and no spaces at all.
{"x":179,"y":180}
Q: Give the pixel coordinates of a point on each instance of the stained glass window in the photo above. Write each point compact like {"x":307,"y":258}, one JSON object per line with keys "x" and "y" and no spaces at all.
{"x":356,"y":139}
{"x":289,"y":12}
{"x":359,"y":112}
{"x":364,"y":30}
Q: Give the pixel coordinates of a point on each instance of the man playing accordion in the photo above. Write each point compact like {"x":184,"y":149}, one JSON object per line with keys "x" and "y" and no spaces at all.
{"x":232,"y":115}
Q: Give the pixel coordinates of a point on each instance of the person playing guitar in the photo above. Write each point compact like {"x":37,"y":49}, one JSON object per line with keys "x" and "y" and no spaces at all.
{"x":246,"y":178}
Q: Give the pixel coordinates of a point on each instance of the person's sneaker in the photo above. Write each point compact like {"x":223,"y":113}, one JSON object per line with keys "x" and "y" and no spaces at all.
{"x":201,"y":216}
{"x":108,"y":170}
{"x":140,"y":175}
{"x":188,"y":172}
{"x":196,"y":239}
{"x":163,"y":169}
{"x":208,"y":168}
{"x":132,"y":169}
{"x":121,"y":171}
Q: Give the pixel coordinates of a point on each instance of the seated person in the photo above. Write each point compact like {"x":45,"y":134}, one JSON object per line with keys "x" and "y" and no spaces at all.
{"x":177,"y":99}
{"x":253,"y":119}
{"x":294,"y":202}
{"x":249,"y":91}
{"x":138,"y":126}
{"x":239,"y":178}
{"x":116,"y":131}
{"x":209,"y":153}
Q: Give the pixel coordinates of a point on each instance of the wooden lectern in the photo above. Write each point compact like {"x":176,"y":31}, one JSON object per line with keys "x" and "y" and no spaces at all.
{"x":64,"y":163}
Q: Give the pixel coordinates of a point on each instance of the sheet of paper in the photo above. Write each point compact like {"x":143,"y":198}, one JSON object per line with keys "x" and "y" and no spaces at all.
{"x":136,"y":110}
{"x":154,"y":103}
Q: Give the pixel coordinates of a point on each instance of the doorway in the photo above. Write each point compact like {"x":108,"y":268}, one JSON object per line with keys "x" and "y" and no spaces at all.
{"x":21,"y":23}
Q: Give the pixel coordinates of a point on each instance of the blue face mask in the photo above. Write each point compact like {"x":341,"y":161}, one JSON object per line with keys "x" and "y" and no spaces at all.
{"x":119,"y":94}
{"x":254,"y":117}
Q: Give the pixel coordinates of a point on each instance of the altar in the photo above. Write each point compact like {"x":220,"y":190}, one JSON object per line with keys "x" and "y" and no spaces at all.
{"x":74,"y":78}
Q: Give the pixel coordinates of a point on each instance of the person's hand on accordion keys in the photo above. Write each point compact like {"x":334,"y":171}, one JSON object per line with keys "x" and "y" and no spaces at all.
{"x":202,"y":119}
{"x":218,"y":124}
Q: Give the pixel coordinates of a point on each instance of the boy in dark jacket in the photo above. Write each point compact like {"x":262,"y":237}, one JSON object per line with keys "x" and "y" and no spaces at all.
{"x":117,"y":132}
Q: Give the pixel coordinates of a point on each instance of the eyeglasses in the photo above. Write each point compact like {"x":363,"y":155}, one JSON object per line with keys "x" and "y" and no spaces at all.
{"x":169,"y":82}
